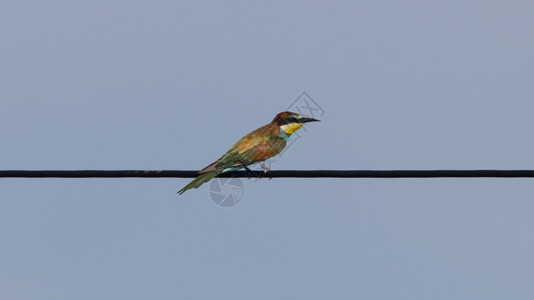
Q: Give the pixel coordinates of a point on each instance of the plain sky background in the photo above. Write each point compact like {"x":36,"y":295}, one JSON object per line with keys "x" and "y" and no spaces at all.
{"x":172,"y":85}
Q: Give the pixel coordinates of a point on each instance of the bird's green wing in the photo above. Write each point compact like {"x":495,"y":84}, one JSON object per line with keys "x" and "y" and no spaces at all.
{"x":251,"y":149}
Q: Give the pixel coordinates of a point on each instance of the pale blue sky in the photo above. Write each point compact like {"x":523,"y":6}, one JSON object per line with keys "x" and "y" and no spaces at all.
{"x":172,"y":85}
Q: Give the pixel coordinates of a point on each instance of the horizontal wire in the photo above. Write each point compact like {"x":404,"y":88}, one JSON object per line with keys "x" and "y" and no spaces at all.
{"x":269,"y":174}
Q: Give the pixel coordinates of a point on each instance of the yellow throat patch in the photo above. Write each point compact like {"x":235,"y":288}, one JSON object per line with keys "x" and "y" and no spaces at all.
{"x":290,"y":128}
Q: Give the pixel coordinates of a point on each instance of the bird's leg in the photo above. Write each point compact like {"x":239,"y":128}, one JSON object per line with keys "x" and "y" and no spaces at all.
{"x":265,"y":168}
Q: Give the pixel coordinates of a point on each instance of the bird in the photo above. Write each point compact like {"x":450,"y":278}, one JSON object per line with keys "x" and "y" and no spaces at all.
{"x":255,"y":147}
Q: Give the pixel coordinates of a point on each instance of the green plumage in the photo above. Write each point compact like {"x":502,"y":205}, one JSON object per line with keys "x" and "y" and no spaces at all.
{"x":201,"y":179}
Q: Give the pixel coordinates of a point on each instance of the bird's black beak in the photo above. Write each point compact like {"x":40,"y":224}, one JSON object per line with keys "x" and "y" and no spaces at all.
{"x":306,"y":120}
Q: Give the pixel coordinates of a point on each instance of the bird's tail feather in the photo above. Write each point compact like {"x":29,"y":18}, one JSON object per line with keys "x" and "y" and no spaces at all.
{"x":201,"y":179}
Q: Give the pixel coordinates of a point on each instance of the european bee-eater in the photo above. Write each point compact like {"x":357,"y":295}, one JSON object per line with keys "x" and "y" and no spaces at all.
{"x":255,"y":147}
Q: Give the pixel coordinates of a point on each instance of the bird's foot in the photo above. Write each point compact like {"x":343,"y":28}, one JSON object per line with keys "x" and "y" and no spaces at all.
{"x":265,"y":170}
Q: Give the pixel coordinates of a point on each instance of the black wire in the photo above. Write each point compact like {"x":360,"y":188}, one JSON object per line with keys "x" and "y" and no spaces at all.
{"x":270,"y":174}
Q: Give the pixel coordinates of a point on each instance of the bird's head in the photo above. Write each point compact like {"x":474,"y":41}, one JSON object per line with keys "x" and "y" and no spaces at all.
{"x":289,"y":122}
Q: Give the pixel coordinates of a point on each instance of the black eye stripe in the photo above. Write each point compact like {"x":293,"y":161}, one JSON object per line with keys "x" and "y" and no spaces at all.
{"x":287,"y":120}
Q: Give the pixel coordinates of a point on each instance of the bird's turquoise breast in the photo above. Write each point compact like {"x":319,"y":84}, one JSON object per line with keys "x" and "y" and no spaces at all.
{"x":285,"y":135}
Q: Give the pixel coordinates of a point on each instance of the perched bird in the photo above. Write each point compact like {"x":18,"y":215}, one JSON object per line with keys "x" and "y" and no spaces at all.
{"x":255,"y":147}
